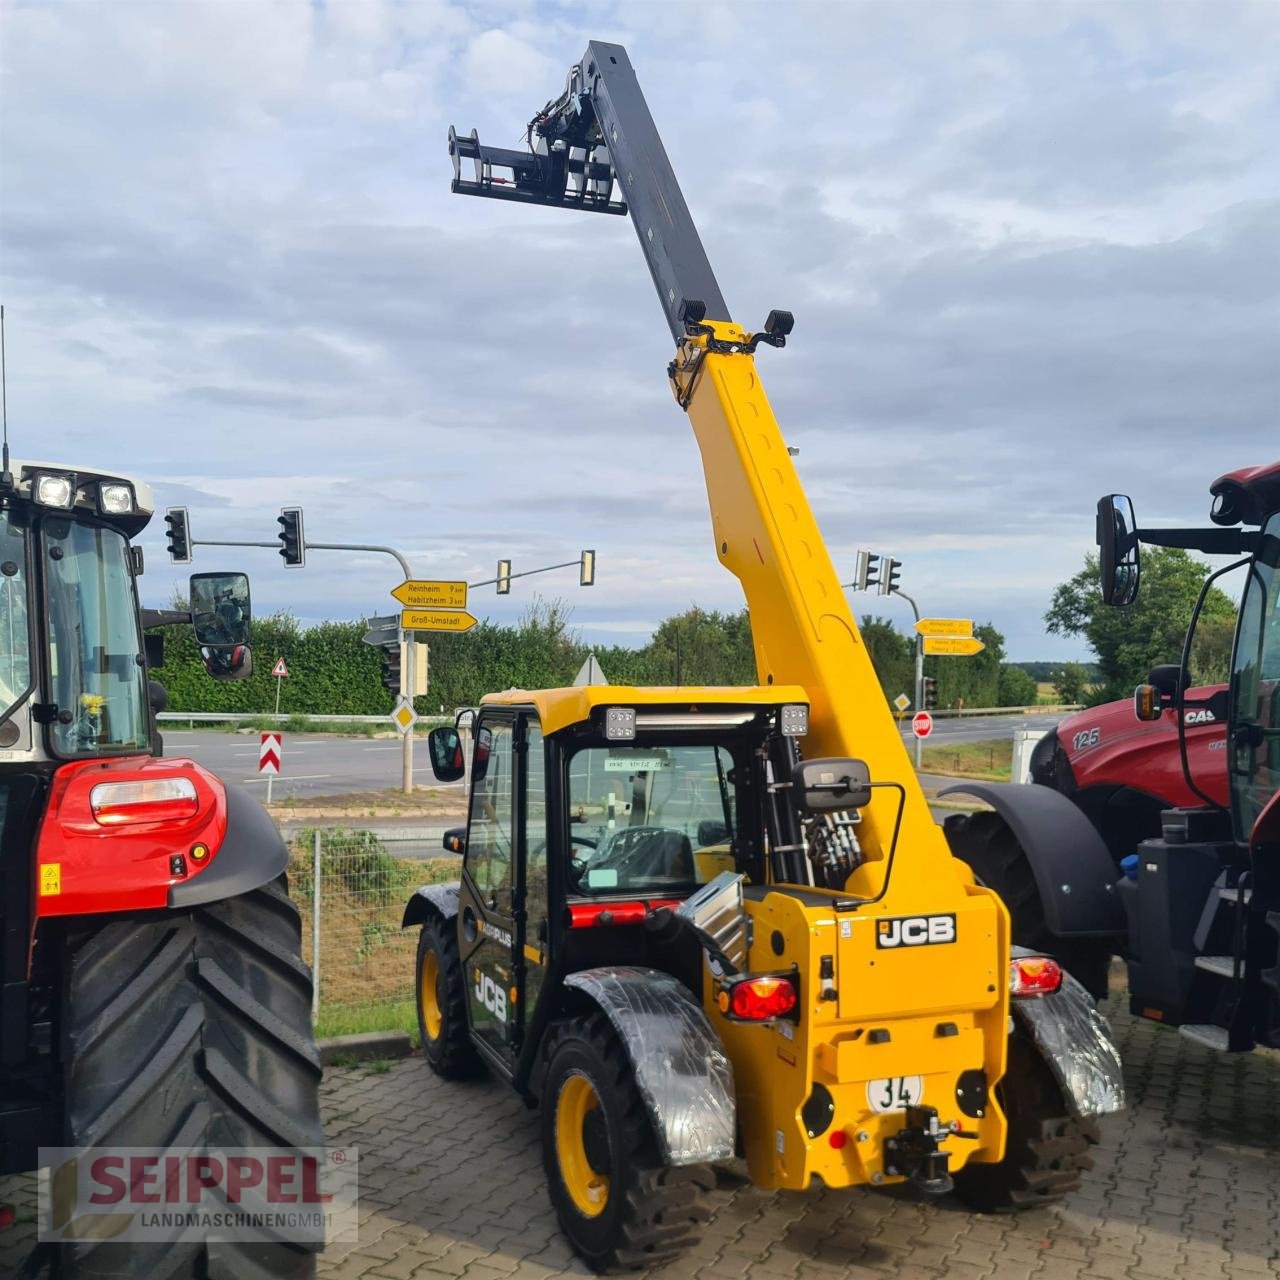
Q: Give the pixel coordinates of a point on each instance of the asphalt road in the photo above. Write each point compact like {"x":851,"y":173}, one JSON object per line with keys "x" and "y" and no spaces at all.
{"x":318,"y":765}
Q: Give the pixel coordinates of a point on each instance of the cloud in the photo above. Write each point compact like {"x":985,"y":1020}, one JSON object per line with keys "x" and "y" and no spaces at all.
{"x":1032,"y":252}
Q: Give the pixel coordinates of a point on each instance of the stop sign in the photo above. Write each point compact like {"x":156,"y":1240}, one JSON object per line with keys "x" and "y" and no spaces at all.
{"x":922,"y":724}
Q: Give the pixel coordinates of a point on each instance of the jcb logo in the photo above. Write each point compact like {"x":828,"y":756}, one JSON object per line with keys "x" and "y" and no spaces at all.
{"x":492,"y":996}
{"x":915,"y":931}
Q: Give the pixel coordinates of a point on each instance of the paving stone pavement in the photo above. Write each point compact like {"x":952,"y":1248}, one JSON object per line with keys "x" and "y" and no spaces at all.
{"x":1186,"y":1186}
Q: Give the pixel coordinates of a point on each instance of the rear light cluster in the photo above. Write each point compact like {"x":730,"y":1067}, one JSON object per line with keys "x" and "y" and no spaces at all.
{"x":759,"y":999}
{"x":155,"y":800}
{"x":587,"y":915}
{"x":1034,"y":976}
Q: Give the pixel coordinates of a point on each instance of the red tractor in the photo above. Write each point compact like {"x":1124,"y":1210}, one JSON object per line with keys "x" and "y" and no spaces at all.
{"x":1163,"y":813}
{"x":152,"y":990}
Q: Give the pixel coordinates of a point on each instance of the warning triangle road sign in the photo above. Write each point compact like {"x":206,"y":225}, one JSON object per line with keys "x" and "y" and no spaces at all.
{"x":280,"y":669}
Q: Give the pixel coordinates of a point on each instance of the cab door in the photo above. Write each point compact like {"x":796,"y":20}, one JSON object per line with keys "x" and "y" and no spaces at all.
{"x":487,"y":926}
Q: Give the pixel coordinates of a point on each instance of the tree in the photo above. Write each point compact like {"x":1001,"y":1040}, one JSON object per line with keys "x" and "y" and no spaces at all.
{"x":1016,"y":688}
{"x":892,"y":655}
{"x":1069,"y":682}
{"x":1129,"y":642}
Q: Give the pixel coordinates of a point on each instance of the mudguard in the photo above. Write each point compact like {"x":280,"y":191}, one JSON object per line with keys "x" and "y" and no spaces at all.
{"x":442,"y":897}
{"x":1076,"y":1043}
{"x":683,"y":1072}
{"x":1074,"y":873}
{"x":252,"y":854}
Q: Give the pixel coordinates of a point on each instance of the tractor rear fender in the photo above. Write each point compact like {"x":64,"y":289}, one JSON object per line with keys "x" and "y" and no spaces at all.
{"x":1074,"y":873}
{"x":680,"y":1066}
{"x":1077,"y":1045}
{"x":252,"y":853}
{"x":442,"y":898}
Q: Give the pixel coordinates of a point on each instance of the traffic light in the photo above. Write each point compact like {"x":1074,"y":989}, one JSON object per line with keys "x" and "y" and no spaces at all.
{"x":292,"y":547}
{"x":867,"y":573}
{"x":928,"y":693}
{"x":891,"y":573}
{"x":504,"y":577}
{"x":178,"y":535}
{"x":587,"y":569}
{"x":391,"y":669}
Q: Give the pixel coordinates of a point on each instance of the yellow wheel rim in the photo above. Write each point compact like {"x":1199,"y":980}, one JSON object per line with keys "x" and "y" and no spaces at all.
{"x":587,"y":1187}
{"x":429,"y":995}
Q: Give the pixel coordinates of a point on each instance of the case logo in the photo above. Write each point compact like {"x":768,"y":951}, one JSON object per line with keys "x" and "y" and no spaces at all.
{"x":915,"y":931}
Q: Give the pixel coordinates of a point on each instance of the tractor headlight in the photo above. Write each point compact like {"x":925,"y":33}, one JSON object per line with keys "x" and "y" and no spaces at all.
{"x":620,"y":724}
{"x":795,"y":719}
{"x":115,"y":498}
{"x":51,"y":489}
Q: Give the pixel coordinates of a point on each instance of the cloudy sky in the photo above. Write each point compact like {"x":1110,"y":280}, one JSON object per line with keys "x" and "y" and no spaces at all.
{"x":1033,"y":250}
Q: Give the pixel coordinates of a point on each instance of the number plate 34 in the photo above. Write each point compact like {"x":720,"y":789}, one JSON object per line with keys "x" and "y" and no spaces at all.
{"x":895,"y":1093}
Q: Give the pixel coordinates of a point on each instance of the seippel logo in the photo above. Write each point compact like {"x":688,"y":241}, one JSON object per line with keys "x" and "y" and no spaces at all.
{"x":915,"y":931}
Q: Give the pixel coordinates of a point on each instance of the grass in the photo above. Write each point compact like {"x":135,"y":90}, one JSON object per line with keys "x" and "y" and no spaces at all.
{"x":992,"y":760}
{"x":351,"y":1020}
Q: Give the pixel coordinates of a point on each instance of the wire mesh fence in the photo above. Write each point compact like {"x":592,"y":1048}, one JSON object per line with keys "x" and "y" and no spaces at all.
{"x":351,"y":887}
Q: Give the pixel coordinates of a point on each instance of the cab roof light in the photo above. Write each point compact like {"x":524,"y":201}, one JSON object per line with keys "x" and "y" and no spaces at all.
{"x":620,"y":724}
{"x":53,"y":489}
{"x":155,"y":800}
{"x":115,"y":498}
{"x":1031,"y":976}
{"x":795,"y":720}
{"x":695,"y":719}
{"x":759,"y":999}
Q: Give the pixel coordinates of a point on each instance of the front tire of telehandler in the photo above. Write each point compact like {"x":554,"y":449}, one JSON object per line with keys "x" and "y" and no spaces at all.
{"x":442,"y":1003}
{"x":1047,"y":1149}
{"x":620,"y":1207}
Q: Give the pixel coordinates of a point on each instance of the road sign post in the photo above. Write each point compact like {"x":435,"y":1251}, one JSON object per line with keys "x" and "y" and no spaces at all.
{"x":422,"y":593}
{"x":280,"y":671}
{"x":952,"y":646}
{"x":437,"y":620}
{"x":270,"y":755}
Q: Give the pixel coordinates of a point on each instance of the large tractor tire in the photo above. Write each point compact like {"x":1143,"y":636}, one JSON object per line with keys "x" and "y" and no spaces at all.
{"x":183,"y":1029}
{"x":1047,"y":1148}
{"x":442,"y":1003}
{"x":620,"y":1206}
{"x":984,"y":841}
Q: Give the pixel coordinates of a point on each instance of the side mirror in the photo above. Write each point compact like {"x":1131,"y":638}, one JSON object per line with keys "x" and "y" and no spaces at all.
{"x":1119,"y":565}
{"x":153,"y":650}
{"x":220,"y":610}
{"x":1166,"y":678}
{"x":824,"y":786}
{"x":228,"y":662}
{"x":455,"y":840}
{"x":1147,"y":703}
{"x":447,"y":761}
{"x":465,"y":719}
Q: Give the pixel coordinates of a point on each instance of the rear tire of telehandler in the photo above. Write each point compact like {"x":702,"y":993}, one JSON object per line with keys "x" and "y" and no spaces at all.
{"x":442,"y":1003}
{"x":985,"y":842}
{"x":620,"y":1207}
{"x":1047,"y":1149}
{"x":186,"y":1029}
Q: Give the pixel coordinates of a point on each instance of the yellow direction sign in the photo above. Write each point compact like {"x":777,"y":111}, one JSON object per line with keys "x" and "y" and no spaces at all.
{"x":953,"y":646}
{"x":945,"y":627}
{"x":436,"y":620}
{"x":420,"y":593}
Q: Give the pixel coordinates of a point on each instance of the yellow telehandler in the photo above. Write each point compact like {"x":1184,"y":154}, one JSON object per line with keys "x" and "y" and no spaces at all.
{"x":694,"y":923}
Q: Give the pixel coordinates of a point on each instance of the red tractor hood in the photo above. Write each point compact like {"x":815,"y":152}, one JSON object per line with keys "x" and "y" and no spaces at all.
{"x":1108,"y":745}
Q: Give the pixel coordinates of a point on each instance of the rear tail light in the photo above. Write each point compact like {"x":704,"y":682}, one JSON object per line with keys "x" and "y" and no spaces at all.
{"x":156,"y":800}
{"x":759,"y":999}
{"x":1034,"y":976}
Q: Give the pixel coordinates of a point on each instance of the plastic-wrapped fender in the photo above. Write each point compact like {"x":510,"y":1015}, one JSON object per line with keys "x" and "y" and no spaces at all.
{"x":443,"y":897}
{"x":1075,"y":1041}
{"x":681,"y":1068}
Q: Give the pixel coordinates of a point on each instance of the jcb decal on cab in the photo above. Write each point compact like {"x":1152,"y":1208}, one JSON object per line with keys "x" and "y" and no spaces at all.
{"x":492,"y":996}
{"x":915,"y":931}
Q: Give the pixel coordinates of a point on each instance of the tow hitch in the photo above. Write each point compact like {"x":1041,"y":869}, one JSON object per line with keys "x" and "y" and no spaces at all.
{"x":915,"y":1154}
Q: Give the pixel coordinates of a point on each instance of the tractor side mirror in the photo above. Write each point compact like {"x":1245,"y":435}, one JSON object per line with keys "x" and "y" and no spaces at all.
{"x":220,"y":608}
{"x":455,"y":840}
{"x":445,"y":747}
{"x":825,"y":786}
{"x":1119,"y":566}
{"x":1166,"y":678}
{"x":228,"y":662}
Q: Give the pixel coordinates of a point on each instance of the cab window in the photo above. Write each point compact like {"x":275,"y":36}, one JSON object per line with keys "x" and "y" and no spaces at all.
{"x":489,"y":838}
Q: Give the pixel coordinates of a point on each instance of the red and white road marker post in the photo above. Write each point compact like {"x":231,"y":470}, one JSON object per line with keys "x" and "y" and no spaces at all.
{"x":270,"y":754}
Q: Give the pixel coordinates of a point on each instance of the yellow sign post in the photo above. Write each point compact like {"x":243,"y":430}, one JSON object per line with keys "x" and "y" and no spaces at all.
{"x":421,"y":593}
{"x":436,"y":620}
{"x":952,"y":646}
{"x":945,"y":627}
